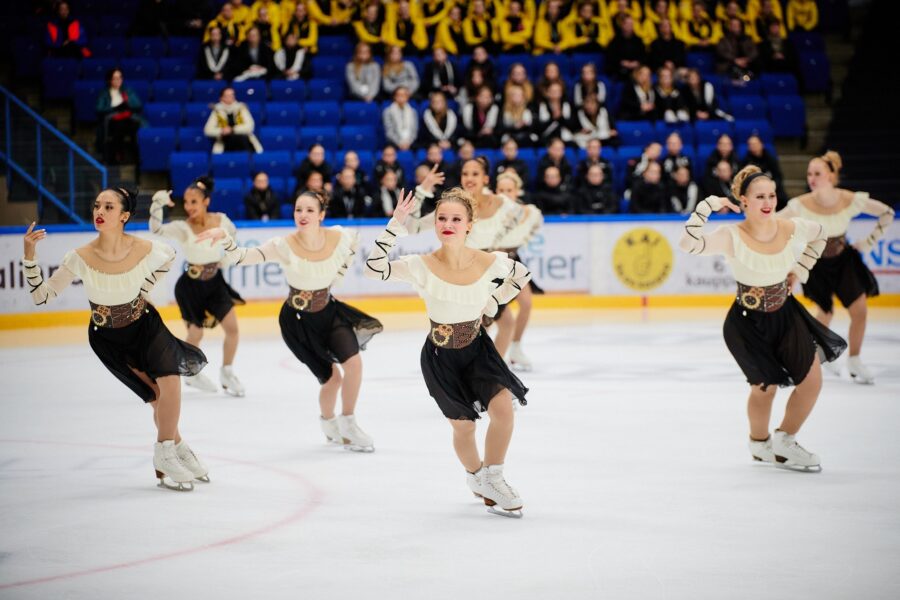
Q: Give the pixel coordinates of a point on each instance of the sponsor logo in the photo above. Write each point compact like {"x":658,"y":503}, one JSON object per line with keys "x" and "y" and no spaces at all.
{"x":642,"y":259}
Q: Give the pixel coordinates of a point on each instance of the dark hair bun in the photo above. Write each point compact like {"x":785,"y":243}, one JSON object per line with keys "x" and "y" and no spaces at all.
{"x":205,"y":182}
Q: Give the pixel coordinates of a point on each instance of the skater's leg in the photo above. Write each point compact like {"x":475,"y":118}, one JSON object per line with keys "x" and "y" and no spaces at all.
{"x":168,"y":408}
{"x":524,"y":301}
{"x":759,"y":411}
{"x":506,"y":324}
{"x":352,"y":381}
{"x":194,"y":334}
{"x":229,"y":346}
{"x":858,"y":312}
{"x":824,"y":317}
{"x":464,"y":444}
{"x":328,"y":393}
{"x":500,"y":430}
{"x":802,"y":400}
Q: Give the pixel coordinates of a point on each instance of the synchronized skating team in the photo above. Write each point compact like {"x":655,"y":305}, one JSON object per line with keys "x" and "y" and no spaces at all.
{"x":466,"y":284}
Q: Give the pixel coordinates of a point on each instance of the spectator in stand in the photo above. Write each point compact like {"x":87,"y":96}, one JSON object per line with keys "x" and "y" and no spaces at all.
{"x":440,"y":125}
{"x":401,"y":123}
{"x":252,"y":59}
{"x":519,"y":76}
{"x":269,"y":29}
{"x":661,"y":11}
{"x":313,"y":183}
{"x":652,"y":154}
{"x":314,"y":163}
{"x":596,"y":196}
{"x":648,"y":195}
{"x":683,"y":192}
{"x":589,"y":31}
{"x":555,"y":157}
{"x":551,"y":75}
{"x":724,"y":151}
{"x":700,"y":98}
{"x":440,"y":75}
{"x":397,"y":73}
{"x":434,"y":159}
{"x":402,"y":29}
{"x":292,"y":61}
{"x":214,"y":56}
{"x":619,"y":9}
{"x":302,"y":26}
{"x":802,"y":15}
{"x":593,"y":157}
{"x":589,"y":85}
{"x":511,"y":161}
{"x":725,"y":11}
{"x":639,"y":98}
{"x":552,"y":31}
{"x":188,"y":17}
{"x":736,"y":53}
{"x":626,"y":51}
{"x":231,"y":126}
{"x":388,"y":192}
{"x":478,"y":28}
{"x":369,"y":28}
{"x":718,"y":182}
{"x":667,"y":50}
{"x":701,"y":31}
{"x":351,"y":161}
{"x":675,"y":157}
{"x":594,"y":123}
{"x":273,"y":12}
{"x":66,"y":37}
{"x":670,"y":106}
{"x":429,"y":14}
{"x":515,"y":29}
{"x":517,"y":122}
{"x":555,"y":116}
{"x":261,"y":203}
{"x":759,"y":156}
{"x":231,"y":29}
{"x":242,"y":12}
{"x":450,"y":35}
{"x":150,"y":19}
{"x":363,"y":75}
{"x":553,"y":195}
{"x":481,"y":120}
{"x":775,"y":54}
{"x":474,"y":81}
{"x":482,"y":60}
{"x":388,"y":162}
{"x":119,"y":118}
{"x":349,"y":199}
{"x":769,"y":12}
{"x":466,"y":152}
{"x":333,"y":16}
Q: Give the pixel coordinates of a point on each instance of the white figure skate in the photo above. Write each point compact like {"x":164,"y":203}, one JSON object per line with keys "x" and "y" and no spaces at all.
{"x":518,"y":359}
{"x":474,"y":481}
{"x":230,"y":382}
{"x":331,"y":430}
{"x":200,"y":382}
{"x":762,"y":451}
{"x":354,"y":438}
{"x":858,"y":371}
{"x":167,"y":465}
{"x":500,"y":497}
{"x":187,"y":457}
{"x":791,"y":455}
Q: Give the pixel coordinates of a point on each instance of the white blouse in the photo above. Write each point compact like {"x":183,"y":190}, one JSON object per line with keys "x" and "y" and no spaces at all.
{"x":447,"y":302}
{"x":300,"y":273}
{"x":750,"y":267}
{"x":195,"y":253}
{"x":101,"y":288}
{"x":527,"y":228}
{"x":836,"y":224}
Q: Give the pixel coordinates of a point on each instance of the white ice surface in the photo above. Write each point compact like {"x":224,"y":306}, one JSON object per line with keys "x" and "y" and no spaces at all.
{"x":631,"y":458}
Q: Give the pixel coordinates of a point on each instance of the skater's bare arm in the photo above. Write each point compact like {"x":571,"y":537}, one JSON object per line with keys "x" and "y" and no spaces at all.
{"x":517,"y":277}
{"x":42,"y":290}
{"x":378,"y":265}
{"x":885,"y":216}
{"x":814,"y":236}
{"x":174,"y":231}
{"x":694,"y":241}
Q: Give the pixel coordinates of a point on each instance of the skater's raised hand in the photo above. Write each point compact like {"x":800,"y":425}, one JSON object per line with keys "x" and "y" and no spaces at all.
{"x":32,"y":237}
{"x":726,"y":203}
{"x":405,"y":206}
{"x":163,"y":197}
{"x":214,"y":235}
{"x":433,"y":178}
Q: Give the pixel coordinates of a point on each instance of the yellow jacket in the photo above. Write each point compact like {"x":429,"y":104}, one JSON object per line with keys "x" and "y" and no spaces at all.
{"x":232,"y":29}
{"x":275,"y":17}
{"x":364,"y":35}
{"x":307,"y":35}
{"x":529,"y":9}
{"x":479,"y":31}
{"x":336,"y":10}
{"x":243,"y":14}
{"x":446,"y":35}
{"x":393,"y":23}
{"x":543,"y":39}
{"x":432,"y":12}
{"x":634,"y":10}
{"x":599,"y":30}
{"x":802,"y":14}
{"x":511,"y":39}
{"x":702,"y":29}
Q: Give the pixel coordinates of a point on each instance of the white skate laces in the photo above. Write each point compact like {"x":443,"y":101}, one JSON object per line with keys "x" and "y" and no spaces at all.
{"x":187,"y":457}
{"x":354,"y":438}
{"x":331,"y":430}
{"x":200,"y":382}
{"x":230,"y":383}
{"x":169,"y":466}
{"x":791,"y":455}
{"x":761,"y":450}
{"x":858,"y":371}
{"x":518,"y":358}
{"x":500,"y":497}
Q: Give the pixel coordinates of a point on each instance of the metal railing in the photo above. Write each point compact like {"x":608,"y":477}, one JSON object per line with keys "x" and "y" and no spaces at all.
{"x":37,"y":153}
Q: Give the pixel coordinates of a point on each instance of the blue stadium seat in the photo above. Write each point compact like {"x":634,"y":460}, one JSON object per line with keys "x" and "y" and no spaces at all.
{"x":779,"y":84}
{"x":228,"y":196}
{"x":360,"y":113}
{"x":140,"y":88}
{"x":113,"y":25}
{"x":815,"y":72}
{"x":246,"y":91}
{"x":86,"y":93}
{"x":286,"y":210}
{"x":327,"y":136}
{"x":192,"y":139}
{"x":206,"y":90}
{"x":184,"y":47}
{"x":579,"y":60}
{"x":155,"y":144}
{"x":807,"y":41}
{"x":322,"y":113}
{"x":163,"y":114}
{"x":283,"y":113}
{"x":257,"y":111}
{"x":139,"y":68}
{"x":636,"y":133}
{"x":284,"y":91}
{"x":290,"y":184}
{"x":97,"y":68}
{"x":707,"y":132}
{"x":742,"y":88}
{"x":146,"y":47}
{"x":108,"y":47}
{"x":359,"y":137}
{"x":505,"y":61}
{"x":787,"y":115}
{"x":276,"y":163}
{"x":748,"y":107}
{"x":277,"y":138}
{"x":58,"y":77}
{"x":170,"y":90}
{"x":196,"y":114}
{"x":184,"y":167}
{"x":277,"y":184}
{"x":340,"y":45}
{"x":27,"y":54}
{"x":538,"y":62}
{"x":329,"y":67}
{"x":663,"y":130}
{"x":177,"y":68}
{"x":230,"y":164}
{"x":325,"y":89}
{"x":747,"y":127}
{"x":702,"y":61}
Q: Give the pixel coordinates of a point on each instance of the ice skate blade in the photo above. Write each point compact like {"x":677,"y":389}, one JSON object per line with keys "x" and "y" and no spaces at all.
{"x":521,"y":368}
{"x":782,"y":463}
{"x":175,"y":486}
{"x":359,"y":449}
{"x":202,"y":479}
{"x":510,"y":514}
{"x":233,"y":393}
{"x":200,"y":388}
{"x":333,"y":441}
{"x":862,"y":380}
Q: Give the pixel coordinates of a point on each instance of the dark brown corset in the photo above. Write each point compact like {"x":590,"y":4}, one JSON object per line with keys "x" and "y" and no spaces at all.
{"x":768,"y":298}
{"x":119,"y":315}
{"x":454,"y":335}
{"x":834,"y":246}
{"x":309,"y":300}
{"x":203,"y":272}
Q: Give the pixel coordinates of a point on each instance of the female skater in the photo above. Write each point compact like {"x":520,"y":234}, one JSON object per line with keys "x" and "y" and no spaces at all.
{"x":126,"y":333}
{"x":202,"y":294}
{"x":463,"y":371}
{"x":320,"y":330}
{"x":771,"y":336}
{"x":840,"y":272}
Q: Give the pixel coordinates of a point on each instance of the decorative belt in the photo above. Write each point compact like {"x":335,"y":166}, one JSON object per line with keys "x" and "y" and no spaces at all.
{"x":454,"y":335}
{"x":768,"y":298}
{"x":834,"y":246}
{"x":309,"y":300}
{"x":203,"y":272}
{"x":119,"y":315}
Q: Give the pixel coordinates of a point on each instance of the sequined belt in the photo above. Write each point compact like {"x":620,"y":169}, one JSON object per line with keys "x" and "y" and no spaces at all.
{"x":767,"y":298}
{"x":203,"y":272}
{"x":118,"y":315}
{"x":309,"y":300}
{"x":834,"y":246}
{"x":454,"y":335}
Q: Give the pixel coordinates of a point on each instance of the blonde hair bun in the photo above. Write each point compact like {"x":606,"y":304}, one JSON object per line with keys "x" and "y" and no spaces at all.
{"x":738,"y":180}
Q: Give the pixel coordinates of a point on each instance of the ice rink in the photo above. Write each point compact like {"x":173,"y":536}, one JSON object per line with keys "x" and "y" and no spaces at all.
{"x":631,"y":458}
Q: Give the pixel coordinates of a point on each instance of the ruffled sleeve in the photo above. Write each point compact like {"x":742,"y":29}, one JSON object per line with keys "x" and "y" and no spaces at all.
{"x":346,"y":251}
{"x":814,"y":236}
{"x":875,"y":208}
{"x":509,"y":276}
{"x":175,"y":230}
{"x":694,"y":241}
{"x":378,"y":264}
{"x":158,"y":262}
{"x":272,"y":251}
{"x":45,"y":290}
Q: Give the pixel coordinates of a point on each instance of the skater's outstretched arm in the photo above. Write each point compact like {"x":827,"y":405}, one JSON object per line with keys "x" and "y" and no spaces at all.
{"x":814,"y":236}
{"x":378,"y":266}
{"x":174,"y":231}
{"x":885,"y":215}
{"x":159,"y":272}
{"x":517,"y":277}
{"x":242,"y":255}
{"x":693,"y":239}
{"x":353,"y":238}
{"x":44,"y":290}
{"x":416,"y":223}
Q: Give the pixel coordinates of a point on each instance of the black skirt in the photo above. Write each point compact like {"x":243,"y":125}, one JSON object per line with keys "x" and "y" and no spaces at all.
{"x":845,"y":276}
{"x":148,"y":346}
{"x":205,"y":303}
{"x":463,"y":381}
{"x":332,"y":335}
{"x":778,"y":348}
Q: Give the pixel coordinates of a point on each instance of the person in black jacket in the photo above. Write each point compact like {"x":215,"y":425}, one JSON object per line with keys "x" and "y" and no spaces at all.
{"x":675,"y":157}
{"x":700,"y":99}
{"x":758,"y":155}
{"x":440,"y":125}
{"x":724,"y":150}
{"x":253,"y":59}
{"x":718,"y":183}
{"x":594,"y":148}
{"x":639,"y":97}
{"x":261,"y":203}
{"x":553,"y":196}
{"x":649,"y":194}
{"x":667,"y":50}
{"x":596,"y":196}
{"x":512,"y":161}
{"x":626,"y":51}
{"x":440,"y":75}
{"x":388,"y":162}
{"x":213,"y":61}
{"x":314,"y":161}
{"x":349,"y":200}
{"x":555,"y":157}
